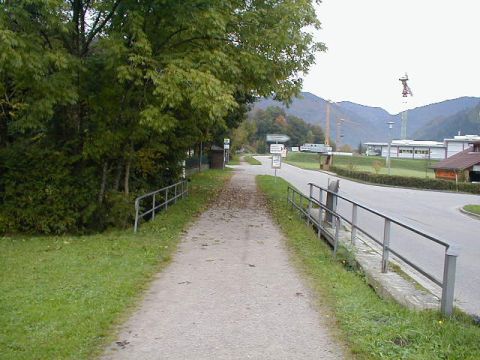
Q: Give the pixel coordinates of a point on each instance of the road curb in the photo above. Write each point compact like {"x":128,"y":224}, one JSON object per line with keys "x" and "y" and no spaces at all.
{"x":466,"y":212}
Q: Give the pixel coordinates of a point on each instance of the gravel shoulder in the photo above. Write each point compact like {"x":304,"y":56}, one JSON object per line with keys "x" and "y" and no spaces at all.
{"x":231,"y":292}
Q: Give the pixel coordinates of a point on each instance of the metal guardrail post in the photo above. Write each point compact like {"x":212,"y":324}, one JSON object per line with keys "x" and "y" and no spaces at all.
{"x":448,"y":285}
{"x":310,"y":203}
{"x":153,"y":206}
{"x":175,"y":198}
{"x":166,"y":198}
{"x":320,"y":214}
{"x":337,"y":233}
{"x":137,"y":209}
{"x":354,"y":223}
{"x":386,"y":245}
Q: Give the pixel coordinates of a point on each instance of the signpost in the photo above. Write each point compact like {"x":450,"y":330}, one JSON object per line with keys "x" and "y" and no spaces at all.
{"x":226,"y":148}
{"x":276,"y":163}
{"x":277,"y":150}
{"x":277,"y":138}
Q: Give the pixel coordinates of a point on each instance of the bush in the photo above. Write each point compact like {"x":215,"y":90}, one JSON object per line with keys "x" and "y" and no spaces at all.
{"x":45,"y":191}
{"x":412,"y":182}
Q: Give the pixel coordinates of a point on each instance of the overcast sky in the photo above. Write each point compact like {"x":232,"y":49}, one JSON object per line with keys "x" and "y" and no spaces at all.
{"x":372,"y":43}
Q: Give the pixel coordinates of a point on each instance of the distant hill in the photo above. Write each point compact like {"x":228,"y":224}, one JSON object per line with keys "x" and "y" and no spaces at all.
{"x":365,"y":123}
{"x":465,"y":121}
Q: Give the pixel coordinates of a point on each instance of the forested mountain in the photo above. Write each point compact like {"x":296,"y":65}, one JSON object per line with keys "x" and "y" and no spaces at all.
{"x":102,"y":100}
{"x":274,"y":120}
{"x":365,"y":123}
{"x":464,"y":122}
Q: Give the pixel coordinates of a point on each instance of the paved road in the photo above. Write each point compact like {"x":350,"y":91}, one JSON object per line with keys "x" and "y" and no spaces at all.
{"x":230,"y":293}
{"x":431,"y":211}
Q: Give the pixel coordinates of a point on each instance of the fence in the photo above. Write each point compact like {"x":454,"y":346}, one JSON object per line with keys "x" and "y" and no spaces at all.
{"x":328,"y":222}
{"x":160,"y":199}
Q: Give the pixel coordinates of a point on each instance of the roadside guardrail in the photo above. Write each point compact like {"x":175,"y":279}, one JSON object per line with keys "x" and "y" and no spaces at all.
{"x":161,"y":198}
{"x":328,"y":222}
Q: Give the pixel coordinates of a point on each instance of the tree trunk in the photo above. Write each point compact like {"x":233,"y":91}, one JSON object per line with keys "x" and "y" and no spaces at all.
{"x":127,"y":177}
{"x":118,"y":175}
{"x":103,"y":186}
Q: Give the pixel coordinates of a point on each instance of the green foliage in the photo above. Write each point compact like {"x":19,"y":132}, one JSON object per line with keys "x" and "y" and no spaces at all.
{"x":120,"y":91}
{"x":63,"y":295}
{"x":403,"y":181}
{"x":373,"y":328}
{"x":274,"y":120}
{"x":55,"y":194}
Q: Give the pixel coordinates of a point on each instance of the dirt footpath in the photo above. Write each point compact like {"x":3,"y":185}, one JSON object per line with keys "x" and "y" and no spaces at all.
{"x":230,"y":293}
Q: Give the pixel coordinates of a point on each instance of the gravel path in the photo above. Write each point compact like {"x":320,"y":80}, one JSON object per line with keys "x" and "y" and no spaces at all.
{"x":230,"y":293}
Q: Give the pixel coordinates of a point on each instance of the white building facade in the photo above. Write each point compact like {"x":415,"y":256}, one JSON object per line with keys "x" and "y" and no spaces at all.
{"x":459,"y":143}
{"x":408,"y":149}
{"x":413,"y":149}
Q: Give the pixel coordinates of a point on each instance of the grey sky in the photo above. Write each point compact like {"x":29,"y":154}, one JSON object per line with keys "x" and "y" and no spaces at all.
{"x":371,"y":43}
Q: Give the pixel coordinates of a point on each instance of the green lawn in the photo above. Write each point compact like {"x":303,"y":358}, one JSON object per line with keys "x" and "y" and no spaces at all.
{"x":373,"y":328}
{"x":61,"y":296}
{"x":401,"y":167}
{"x":473,"y":209}
{"x":234,"y":160}
{"x":251,"y":160}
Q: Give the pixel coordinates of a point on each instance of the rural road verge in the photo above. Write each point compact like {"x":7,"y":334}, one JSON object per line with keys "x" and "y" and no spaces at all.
{"x":230,"y":293}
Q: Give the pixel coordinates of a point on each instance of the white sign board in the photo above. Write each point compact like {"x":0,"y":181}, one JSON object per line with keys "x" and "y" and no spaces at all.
{"x":295,"y":149}
{"x":276,"y":161}
{"x":226,"y":141}
{"x":226,"y":146}
{"x":281,"y":138}
{"x":276,"y":148}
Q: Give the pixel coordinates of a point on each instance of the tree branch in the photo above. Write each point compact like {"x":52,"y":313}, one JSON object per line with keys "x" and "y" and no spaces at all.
{"x":96,"y":29}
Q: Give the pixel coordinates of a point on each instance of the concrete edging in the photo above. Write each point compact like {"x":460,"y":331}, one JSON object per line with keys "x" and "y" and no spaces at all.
{"x":466,"y":212}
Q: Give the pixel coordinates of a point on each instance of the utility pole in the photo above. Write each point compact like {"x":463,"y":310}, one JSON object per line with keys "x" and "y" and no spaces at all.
{"x":327,"y":124}
{"x":390,"y":125}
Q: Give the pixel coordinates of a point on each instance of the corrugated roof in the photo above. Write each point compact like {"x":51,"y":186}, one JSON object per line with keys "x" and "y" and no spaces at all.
{"x":460,"y":161}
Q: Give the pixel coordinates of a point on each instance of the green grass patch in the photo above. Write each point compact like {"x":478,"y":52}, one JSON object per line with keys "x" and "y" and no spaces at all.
{"x":60,"y":297}
{"x":251,"y":160}
{"x":373,"y":328}
{"x":234,"y":159}
{"x":399,"y":167}
{"x":472,"y":208}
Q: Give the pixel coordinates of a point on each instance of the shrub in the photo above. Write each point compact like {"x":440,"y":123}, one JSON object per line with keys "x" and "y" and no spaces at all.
{"x":45,"y":191}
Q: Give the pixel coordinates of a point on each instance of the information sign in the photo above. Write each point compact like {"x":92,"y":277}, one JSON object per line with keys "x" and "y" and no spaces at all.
{"x":276,"y":148}
{"x":276,"y":161}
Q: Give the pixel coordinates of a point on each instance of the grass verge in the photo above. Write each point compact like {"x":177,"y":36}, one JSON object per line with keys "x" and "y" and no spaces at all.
{"x":373,"y":328}
{"x":60,"y":296}
{"x":251,"y":160}
{"x":234,"y":159}
{"x":400,"y":167}
{"x":472,"y":208}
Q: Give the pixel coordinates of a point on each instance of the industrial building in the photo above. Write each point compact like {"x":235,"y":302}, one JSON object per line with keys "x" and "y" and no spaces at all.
{"x":414,"y":149}
{"x":408,"y":149}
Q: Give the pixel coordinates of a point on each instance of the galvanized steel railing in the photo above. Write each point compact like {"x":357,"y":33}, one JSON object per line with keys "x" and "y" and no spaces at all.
{"x":160,"y":199}
{"x":297,"y":199}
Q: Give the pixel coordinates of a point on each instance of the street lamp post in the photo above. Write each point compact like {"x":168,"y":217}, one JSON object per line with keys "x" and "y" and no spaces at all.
{"x":390,"y":125}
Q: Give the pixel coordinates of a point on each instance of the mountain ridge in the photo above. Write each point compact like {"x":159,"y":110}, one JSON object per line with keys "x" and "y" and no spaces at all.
{"x":363,"y":123}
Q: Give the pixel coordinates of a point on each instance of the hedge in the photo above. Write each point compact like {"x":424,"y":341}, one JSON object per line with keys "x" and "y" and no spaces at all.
{"x":411,"y":182}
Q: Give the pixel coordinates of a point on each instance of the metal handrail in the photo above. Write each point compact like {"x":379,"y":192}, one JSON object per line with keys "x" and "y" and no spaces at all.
{"x":181,"y":185}
{"x":451,"y":253}
{"x":392,"y":219}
